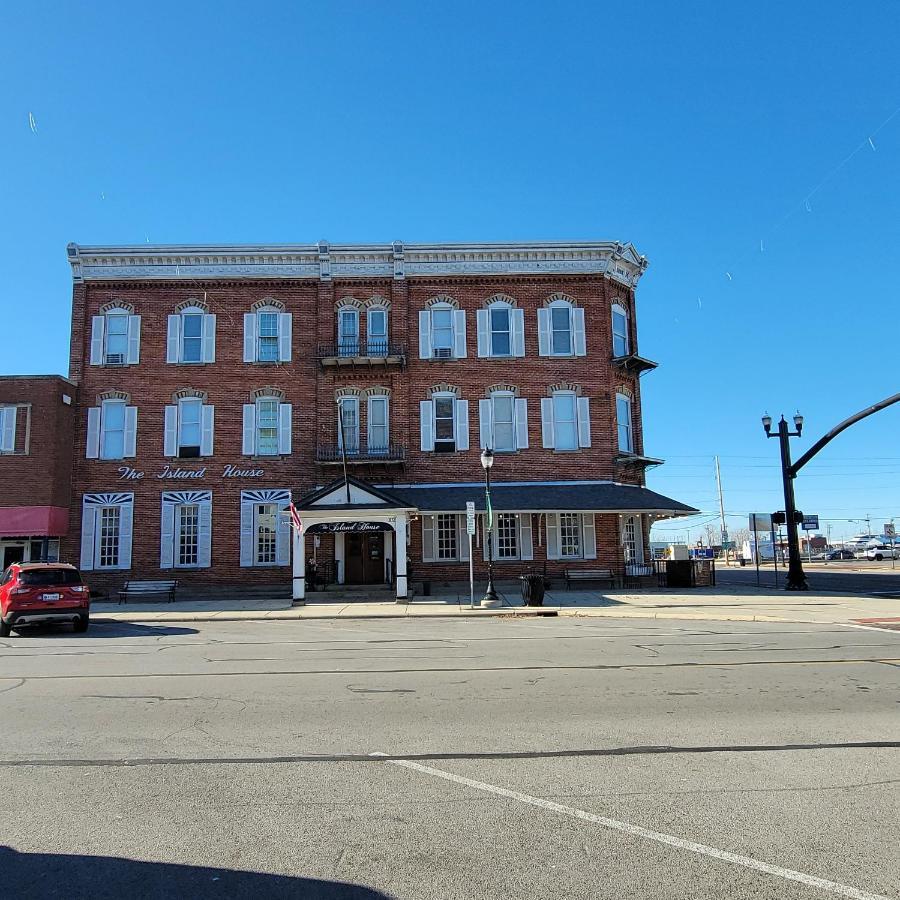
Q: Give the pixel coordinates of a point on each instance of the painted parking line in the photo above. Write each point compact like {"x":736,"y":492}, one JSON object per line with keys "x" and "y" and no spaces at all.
{"x":833,"y":887}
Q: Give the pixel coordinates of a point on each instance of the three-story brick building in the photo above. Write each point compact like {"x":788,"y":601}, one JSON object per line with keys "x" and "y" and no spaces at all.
{"x":217,"y":384}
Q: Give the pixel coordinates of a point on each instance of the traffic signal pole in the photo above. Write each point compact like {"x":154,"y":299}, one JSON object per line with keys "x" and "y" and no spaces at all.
{"x":796,"y":577}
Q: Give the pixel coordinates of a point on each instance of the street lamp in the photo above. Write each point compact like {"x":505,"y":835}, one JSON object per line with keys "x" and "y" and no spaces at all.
{"x":490,"y":595}
{"x":796,"y":578}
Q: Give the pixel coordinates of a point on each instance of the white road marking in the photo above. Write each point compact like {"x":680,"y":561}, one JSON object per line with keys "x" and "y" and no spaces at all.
{"x":870,"y":628}
{"x":747,"y":862}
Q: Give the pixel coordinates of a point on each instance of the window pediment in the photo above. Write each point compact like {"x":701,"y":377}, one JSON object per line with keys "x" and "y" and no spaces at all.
{"x":112,"y":395}
{"x":268,"y":304}
{"x":117,"y":307}
{"x":270,"y":393}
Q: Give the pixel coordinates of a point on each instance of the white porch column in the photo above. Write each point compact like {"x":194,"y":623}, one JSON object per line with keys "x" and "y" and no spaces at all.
{"x":298,"y":558}
{"x":400,"y":526}
{"x":339,"y":557}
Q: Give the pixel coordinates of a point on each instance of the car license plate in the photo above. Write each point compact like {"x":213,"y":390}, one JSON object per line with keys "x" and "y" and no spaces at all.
{"x":50,"y":596}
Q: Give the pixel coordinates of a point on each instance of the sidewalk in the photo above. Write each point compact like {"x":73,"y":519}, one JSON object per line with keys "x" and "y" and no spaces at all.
{"x":730,"y":604}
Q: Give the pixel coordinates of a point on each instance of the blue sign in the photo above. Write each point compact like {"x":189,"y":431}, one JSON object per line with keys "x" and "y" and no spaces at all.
{"x":703,"y":553}
{"x":810,"y":523}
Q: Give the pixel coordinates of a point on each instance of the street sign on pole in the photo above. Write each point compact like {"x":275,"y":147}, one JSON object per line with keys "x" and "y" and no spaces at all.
{"x":810,"y":523}
{"x":470,"y":531}
{"x":760,"y":521}
{"x":889,"y":529}
{"x":470,"y":517}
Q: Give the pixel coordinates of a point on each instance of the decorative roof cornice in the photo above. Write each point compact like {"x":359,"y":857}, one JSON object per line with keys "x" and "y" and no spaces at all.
{"x":324,"y":261}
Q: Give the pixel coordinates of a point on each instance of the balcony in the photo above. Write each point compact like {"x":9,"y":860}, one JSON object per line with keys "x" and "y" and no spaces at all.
{"x":636,"y":459}
{"x":361,"y":353}
{"x":332,"y":455}
{"x":633,"y":364}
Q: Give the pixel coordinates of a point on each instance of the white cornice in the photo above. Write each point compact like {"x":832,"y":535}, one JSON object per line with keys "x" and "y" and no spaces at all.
{"x":324,"y":261}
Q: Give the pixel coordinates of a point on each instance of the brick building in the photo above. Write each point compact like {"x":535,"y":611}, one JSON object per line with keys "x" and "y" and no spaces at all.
{"x":37,"y":416}
{"x":218,"y":383}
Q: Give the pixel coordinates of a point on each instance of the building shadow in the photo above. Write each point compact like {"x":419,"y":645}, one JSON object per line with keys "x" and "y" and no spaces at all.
{"x":101,"y":629}
{"x":40,"y":876}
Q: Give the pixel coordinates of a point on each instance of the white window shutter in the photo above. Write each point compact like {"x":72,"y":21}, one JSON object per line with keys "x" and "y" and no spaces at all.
{"x":126,"y":528}
{"x":517,"y":317}
{"x":544,"y":332}
{"x":526,"y":545}
{"x":285,"y":422}
{"x":483,"y":332}
{"x":134,"y":340}
{"x":462,"y":424}
{"x":589,"y":536}
{"x":283,"y":536}
{"x":93,"y":433}
{"x":426,"y":425}
{"x":547,"y":433}
{"x":552,"y":536}
{"x":284,"y":337}
{"x":208,"y":334}
{"x":459,"y":334}
{"x":98,"y":325}
{"x":248,"y":442}
{"x":584,"y":422}
{"x":522,"y":423}
{"x":204,"y":535}
{"x":173,"y":339}
{"x":207,"y":420}
{"x":428,"y":538}
{"x":462,"y":538}
{"x":8,"y":435}
{"x":485,"y":424}
{"x":578,"y":339}
{"x":170,"y":431}
{"x":88,"y":522}
{"x":424,"y":334}
{"x":131,"y":416}
{"x":248,"y":510}
{"x":249,"y":337}
{"x":167,"y":535}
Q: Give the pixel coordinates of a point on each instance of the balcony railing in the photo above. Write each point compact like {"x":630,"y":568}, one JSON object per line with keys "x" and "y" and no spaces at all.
{"x":356,"y":352}
{"x":390,"y":455}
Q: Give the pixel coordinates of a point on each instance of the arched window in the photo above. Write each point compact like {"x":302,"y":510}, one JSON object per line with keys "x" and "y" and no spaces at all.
{"x":501,"y":328}
{"x":442,"y":330}
{"x":348,"y":423}
{"x":267,"y":425}
{"x":191,"y":335}
{"x":620,"y":331}
{"x":267,"y":333}
{"x":561,"y":328}
{"x":377,"y":424}
{"x":623,"y":423}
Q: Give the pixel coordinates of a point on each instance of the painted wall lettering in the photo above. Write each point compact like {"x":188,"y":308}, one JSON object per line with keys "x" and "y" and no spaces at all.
{"x":234,"y":472}
{"x":169,"y":472}
{"x":129,"y":474}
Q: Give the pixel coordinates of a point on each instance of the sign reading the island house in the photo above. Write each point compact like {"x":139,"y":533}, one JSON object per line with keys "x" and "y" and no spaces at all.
{"x":126,"y":473}
{"x":347,"y":527}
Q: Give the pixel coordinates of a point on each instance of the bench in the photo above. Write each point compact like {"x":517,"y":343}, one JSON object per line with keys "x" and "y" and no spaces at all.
{"x":147,"y":589}
{"x":589,"y":575}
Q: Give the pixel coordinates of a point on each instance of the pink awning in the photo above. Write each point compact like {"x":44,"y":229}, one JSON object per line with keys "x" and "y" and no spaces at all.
{"x":33,"y":521}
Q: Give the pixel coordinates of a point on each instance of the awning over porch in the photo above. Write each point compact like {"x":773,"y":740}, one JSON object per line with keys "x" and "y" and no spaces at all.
{"x":34,"y":521}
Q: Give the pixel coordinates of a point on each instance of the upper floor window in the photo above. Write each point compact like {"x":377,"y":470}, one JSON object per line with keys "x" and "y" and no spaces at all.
{"x":624,"y":424}
{"x":111,"y":430}
{"x":8,"y":415}
{"x":106,"y":530}
{"x":115,"y":338}
{"x":442,"y":331}
{"x":267,"y":427}
{"x":348,"y":331}
{"x":267,"y":335}
{"x":561,"y":328}
{"x":348,"y":424}
{"x":377,"y":331}
{"x":501,"y":330}
{"x":444,"y":423}
{"x":620,"y":331}
{"x":565,"y":421}
{"x":191,"y":336}
{"x":188,"y":429}
{"x":503,"y":421}
{"x":377,"y":429}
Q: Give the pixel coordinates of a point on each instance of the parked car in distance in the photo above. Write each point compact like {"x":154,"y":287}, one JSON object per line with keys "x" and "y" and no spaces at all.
{"x":38,"y":593}
{"x":838,"y":554}
{"x":880,"y":553}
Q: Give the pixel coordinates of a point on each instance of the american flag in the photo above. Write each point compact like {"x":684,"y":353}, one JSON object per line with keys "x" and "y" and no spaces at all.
{"x":295,"y":518}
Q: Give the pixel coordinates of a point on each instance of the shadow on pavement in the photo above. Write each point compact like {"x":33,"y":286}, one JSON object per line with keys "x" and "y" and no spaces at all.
{"x":36,"y":876}
{"x":104,"y":630}
{"x":853,"y":582}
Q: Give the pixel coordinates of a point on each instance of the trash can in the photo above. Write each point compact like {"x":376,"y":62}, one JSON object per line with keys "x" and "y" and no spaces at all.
{"x":532,"y":590}
{"x":426,"y":588}
{"x":678,"y":573}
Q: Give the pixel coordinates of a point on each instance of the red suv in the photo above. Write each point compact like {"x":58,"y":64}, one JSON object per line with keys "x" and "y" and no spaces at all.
{"x":33,"y":593}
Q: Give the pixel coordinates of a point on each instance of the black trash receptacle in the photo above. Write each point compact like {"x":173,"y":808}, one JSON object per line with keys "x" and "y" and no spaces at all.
{"x":426,"y":588}
{"x":678,"y":573}
{"x":533,"y":590}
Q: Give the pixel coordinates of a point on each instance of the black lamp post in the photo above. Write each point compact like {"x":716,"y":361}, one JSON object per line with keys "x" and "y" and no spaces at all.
{"x":796,"y":578}
{"x":490,"y":595}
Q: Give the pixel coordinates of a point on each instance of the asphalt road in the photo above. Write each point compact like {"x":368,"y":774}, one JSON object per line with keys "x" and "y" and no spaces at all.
{"x":859,"y":576}
{"x":524,"y":759}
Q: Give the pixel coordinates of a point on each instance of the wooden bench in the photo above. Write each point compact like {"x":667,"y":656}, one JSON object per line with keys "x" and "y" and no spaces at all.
{"x":147,"y":589}
{"x":589,"y":575}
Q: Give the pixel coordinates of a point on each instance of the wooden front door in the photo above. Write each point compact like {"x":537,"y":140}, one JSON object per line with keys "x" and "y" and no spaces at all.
{"x":364,"y":558}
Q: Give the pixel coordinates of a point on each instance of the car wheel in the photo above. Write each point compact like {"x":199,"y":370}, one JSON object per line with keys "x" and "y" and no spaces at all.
{"x":81,"y":623}
{"x":5,"y":629}
{"x":878,"y":557}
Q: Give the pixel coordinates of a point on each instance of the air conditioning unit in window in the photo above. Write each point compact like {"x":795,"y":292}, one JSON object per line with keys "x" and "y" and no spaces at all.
{"x":115,"y":359}
{"x":442,"y":353}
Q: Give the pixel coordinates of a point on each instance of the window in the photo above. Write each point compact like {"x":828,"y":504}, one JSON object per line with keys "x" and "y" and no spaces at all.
{"x":507,"y":536}
{"x":504,"y":417}
{"x":444,"y":538}
{"x":569,"y":536}
{"x":565,"y":425}
{"x":112,"y":429}
{"x":376,"y":331}
{"x":446,"y":530}
{"x":189,"y":413}
{"x":266,"y":529}
{"x":444,"y":424}
{"x":442,"y":332}
{"x":632,"y":540}
{"x":8,"y":416}
{"x":108,"y":544}
{"x":116,"y":349}
{"x":501,"y":341}
{"x":348,"y":332}
{"x":623,"y":422}
{"x":561,"y":329}
{"x":185,"y":532}
{"x":267,"y":427}
{"x":188,"y":534}
{"x":192,"y":338}
{"x":503,"y":422}
{"x":115,"y":338}
{"x":348,"y":426}
{"x":188,"y":431}
{"x":267,"y":336}
{"x":106,"y":528}
{"x":377,"y":438}
{"x":620,"y":330}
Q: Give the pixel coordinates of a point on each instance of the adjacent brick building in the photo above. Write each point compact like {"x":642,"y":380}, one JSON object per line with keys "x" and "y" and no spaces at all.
{"x":210,"y":380}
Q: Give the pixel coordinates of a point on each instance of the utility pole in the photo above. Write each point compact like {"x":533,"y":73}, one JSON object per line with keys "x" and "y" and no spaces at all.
{"x":722,"y":509}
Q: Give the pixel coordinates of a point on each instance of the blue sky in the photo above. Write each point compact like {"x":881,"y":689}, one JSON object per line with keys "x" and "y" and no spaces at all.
{"x":718,"y":139}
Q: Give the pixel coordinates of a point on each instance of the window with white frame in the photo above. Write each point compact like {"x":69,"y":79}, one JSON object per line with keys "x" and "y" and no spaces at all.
{"x":444,"y":538}
{"x":265,"y":528}
{"x":501,"y":330}
{"x":187,"y":534}
{"x":188,"y":431}
{"x":267,"y":336}
{"x":446,"y":534}
{"x":507,"y":536}
{"x":8,"y":416}
{"x":111,"y":430}
{"x":377,"y":331}
{"x":565,"y":420}
{"x":444,"y":422}
{"x":348,"y":331}
{"x":632,"y":540}
{"x":189,"y":414}
{"x":510,"y":537}
{"x":267,"y":427}
{"x":106,"y":531}
{"x":377,"y":437}
{"x":624,"y":424}
{"x":348,"y":424}
{"x":185,"y":531}
{"x":265,"y":535}
{"x":191,"y":336}
{"x":561,"y":329}
{"x":442,"y":332}
{"x":620,"y":330}
{"x":115,"y":338}
{"x":503,"y":422}
{"x":571,"y":535}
